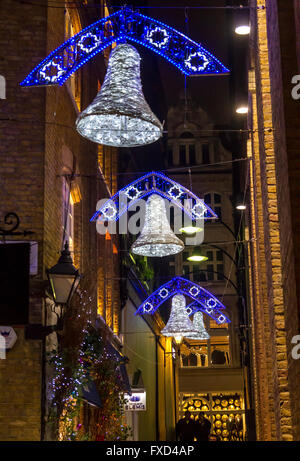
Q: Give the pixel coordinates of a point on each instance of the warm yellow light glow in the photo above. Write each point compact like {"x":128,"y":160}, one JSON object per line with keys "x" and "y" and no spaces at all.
{"x":197,"y":258}
{"x":178,"y":339}
{"x":242,"y":110}
{"x":241,"y":207}
{"x":242,"y":30}
{"x":190,"y":230}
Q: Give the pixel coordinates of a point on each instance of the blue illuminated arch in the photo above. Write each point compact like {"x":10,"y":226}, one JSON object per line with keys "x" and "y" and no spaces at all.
{"x":149,"y":184}
{"x":215,"y":314}
{"x":188,"y":56}
{"x":206,"y":301}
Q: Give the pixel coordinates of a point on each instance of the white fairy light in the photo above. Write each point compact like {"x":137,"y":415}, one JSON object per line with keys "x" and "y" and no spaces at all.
{"x":158,"y":37}
{"x":179,"y":325}
{"x":196,"y":55}
{"x":59,"y":71}
{"x":199,"y":326}
{"x":84,"y":45}
{"x":157,"y":237}
{"x":119,"y":115}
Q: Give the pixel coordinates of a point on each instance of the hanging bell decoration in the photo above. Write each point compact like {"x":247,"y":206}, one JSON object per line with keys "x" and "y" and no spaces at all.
{"x":199,"y":326}
{"x":179,"y":324}
{"x":119,"y":115}
{"x":157,"y":237}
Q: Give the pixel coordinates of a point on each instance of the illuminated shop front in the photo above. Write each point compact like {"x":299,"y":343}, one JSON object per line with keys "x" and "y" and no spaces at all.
{"x":224,"y":410}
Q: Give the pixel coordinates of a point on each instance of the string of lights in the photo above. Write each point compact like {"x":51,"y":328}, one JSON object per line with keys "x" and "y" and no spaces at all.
{"x":75,"y":5}
{"x":239,"y":229}
{"x":213,"y":130}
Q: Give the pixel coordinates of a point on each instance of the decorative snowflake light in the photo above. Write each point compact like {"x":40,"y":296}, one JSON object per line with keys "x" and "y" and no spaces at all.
{"x":202,"y":299}
{"x":192,"y":62}
{"x":157,"y":37}
{"x":189,"y":57}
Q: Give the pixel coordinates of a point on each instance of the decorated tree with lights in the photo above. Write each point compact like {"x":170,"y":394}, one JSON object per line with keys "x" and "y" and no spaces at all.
{"x":84,"y":357}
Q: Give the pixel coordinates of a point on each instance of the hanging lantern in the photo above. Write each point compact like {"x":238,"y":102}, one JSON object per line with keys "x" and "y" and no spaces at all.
{"x":199,"y":326}
{"x":157,"y":237}
{"x":179,"y":324}
{"x":119,"y":115}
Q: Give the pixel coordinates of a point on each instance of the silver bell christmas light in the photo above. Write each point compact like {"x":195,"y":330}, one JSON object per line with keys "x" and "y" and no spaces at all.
{"x":179,"y":324}
{"x":200,"y":328}
{"x":157,"y":237}
{"x":119,"y":115}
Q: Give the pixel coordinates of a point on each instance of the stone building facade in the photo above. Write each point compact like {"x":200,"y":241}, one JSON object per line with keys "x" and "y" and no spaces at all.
{"x":198,"y":159}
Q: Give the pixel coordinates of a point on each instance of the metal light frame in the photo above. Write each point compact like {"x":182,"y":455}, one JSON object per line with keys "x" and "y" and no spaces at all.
{"x":190,"y":57}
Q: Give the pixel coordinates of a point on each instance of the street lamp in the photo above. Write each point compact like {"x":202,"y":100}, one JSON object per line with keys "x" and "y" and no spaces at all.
{"x":240,"y":203}
{"x":190,"y":230}
{"x":243,"y":29}
{"x":197,"y":256}
{"x":63,"y":277}
{"x":243,"y":109}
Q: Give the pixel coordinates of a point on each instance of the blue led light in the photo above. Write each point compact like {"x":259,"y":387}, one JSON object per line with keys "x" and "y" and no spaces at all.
{"x":189,"y":57}
{"x":215,"y":313}
{"x":202,"y":299}
{"x":160,"y":184}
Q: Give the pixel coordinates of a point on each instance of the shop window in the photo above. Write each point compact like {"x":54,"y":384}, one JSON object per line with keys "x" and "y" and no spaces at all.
{"x":225,"y":410}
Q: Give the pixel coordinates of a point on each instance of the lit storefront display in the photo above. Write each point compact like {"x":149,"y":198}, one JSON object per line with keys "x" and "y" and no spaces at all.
{"x":224,"y":410}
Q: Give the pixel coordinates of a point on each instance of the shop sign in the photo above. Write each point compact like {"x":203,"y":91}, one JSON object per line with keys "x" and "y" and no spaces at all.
{"x":136,"y":401}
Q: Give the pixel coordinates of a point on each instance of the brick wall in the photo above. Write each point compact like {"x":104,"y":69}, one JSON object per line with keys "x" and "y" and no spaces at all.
{"x":37,"y":148}
{"x":21,"y":181}
{"x":274,"y":254}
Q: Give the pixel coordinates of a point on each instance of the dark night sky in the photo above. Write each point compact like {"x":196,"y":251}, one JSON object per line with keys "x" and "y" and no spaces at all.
{"x":209,"y":28}
{"x":163,"y":83}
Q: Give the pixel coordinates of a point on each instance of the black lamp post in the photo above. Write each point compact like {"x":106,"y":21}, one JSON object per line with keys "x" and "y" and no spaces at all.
{"x":63,"y":277}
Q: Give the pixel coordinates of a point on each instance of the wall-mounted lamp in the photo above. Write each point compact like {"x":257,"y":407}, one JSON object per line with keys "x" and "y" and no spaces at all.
{"x":243,"y":109}
{"x":240,"y":203}
{"x":243,"y":29}
{"x":64,"y":278}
